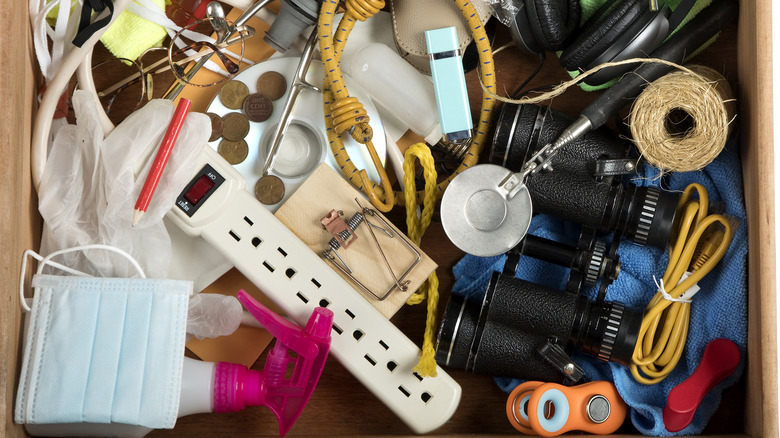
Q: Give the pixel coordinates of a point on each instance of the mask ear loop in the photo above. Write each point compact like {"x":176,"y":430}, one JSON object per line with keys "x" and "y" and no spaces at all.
{"x":43,"y":261}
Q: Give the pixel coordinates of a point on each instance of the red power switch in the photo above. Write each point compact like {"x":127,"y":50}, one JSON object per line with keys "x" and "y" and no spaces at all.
{"x":200,"y":188}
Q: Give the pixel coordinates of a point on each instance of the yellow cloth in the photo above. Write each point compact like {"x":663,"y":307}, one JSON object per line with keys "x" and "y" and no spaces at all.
{"x":130,"y":35}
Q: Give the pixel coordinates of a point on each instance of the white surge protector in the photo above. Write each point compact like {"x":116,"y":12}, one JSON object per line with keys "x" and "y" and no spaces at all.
{"x":216,"y":206}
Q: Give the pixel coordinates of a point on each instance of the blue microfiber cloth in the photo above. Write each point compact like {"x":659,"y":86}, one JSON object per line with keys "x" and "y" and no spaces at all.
{"x":719,"y":310}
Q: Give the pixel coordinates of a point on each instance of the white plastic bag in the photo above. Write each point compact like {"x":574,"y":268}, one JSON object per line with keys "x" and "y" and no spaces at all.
{"x":89,"y":188}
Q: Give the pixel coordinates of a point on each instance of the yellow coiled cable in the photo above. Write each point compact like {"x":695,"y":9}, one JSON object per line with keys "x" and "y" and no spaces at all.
{"x":342,"y":112}
{"x":697,"y":248}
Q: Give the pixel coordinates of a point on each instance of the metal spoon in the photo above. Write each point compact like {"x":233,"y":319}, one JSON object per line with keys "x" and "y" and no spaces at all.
{"x":221,"y":26}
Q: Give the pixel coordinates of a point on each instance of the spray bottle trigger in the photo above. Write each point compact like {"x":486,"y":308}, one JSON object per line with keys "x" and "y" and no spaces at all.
{"x":283,"y":330}
{"x":287,"y":397}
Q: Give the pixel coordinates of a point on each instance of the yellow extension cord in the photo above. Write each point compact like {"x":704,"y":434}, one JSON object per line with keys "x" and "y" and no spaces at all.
{"x":346,"y":114}
{"x":697,"y":248}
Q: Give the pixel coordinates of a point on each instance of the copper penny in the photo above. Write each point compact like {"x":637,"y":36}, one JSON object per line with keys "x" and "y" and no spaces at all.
{"x":272,"y":84}
{"x":269,"y":190}
{"x":234,"y":152}
{"x":258,"y":107}
{"x":233,"y":93}
{"x":216,"y":126}
{"x":235,"y":126}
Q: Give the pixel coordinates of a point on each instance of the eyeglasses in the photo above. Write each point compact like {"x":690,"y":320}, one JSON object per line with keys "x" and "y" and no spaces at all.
{"x":125,"y":85}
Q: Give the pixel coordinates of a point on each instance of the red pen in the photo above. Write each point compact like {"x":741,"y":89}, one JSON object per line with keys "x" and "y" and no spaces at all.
{"x":161,"y":159}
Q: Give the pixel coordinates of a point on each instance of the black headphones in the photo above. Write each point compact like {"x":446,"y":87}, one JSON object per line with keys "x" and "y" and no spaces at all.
{"x":545,"y":25}
{"x":619,"y":29}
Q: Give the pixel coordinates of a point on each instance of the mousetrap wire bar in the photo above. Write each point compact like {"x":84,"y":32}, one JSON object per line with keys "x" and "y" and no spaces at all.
{"x":398,"y":282}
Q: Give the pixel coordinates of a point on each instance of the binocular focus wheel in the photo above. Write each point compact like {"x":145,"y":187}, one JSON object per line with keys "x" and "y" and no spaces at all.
{"x":560,"y":414}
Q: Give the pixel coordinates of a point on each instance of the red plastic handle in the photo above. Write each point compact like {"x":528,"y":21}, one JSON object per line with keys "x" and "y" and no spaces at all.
{"x":719,"y":361}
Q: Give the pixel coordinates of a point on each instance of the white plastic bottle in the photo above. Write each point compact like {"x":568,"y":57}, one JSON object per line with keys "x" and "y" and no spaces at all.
{"x":196,"y":397}
{"x":398,"y":87}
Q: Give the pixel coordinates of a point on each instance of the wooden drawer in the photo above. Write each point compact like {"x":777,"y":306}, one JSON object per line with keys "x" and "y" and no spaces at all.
{"x":340,"y":405}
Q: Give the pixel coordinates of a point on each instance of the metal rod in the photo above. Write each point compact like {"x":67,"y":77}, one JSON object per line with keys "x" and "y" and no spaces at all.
{"x":251,"y":11}
{"x":299,"y":83}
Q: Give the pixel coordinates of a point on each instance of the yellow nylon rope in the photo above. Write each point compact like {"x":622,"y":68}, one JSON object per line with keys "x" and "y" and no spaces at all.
{"x":416,"y":227}
{"x":428,"y":197}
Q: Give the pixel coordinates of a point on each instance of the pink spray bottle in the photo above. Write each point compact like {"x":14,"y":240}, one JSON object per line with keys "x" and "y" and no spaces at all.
{"x":236,"y":387}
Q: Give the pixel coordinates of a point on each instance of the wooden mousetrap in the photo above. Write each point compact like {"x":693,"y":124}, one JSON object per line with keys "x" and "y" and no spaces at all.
{"x":351,"y":241}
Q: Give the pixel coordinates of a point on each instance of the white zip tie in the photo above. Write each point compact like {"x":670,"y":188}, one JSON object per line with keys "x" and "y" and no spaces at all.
{"x":685,"y":297}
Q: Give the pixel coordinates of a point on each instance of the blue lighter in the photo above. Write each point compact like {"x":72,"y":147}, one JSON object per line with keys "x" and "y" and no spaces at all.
{"x":452,"y":99}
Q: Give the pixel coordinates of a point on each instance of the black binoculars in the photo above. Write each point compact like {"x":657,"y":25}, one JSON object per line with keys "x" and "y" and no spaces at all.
{"x":525,"y":330}
{"x":585,"y":184}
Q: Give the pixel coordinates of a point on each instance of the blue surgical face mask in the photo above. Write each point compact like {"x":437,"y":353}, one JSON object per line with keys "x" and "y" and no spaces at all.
{"x":103,"y":350}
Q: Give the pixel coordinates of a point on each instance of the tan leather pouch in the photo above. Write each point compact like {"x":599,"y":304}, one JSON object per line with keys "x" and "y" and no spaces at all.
{"x":411,"y":18}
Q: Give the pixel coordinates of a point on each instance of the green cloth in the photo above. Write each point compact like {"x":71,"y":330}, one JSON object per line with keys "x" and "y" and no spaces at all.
{"x":130,"y":35}
{"x":591,"y":6}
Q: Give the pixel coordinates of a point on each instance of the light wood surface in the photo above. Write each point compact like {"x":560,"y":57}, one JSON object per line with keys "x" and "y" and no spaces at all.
{"x":755,"y":73}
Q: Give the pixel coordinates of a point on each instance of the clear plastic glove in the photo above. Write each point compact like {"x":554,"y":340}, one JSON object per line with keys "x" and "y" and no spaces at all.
{"x":89,"y":186}
{"x":213,"y":315}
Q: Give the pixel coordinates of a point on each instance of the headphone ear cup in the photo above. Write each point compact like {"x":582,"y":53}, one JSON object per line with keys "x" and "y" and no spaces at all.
{"x":552,"y":22}
{"x":606,"y":25}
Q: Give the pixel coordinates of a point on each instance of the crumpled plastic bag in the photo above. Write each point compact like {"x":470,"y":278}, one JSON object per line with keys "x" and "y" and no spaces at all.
{"x":213,"y":315}
{"x":505,"y":10}
{"x":89,"y":188}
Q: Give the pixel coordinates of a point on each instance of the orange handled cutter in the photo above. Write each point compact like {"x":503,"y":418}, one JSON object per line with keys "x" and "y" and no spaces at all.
{"x":550,"y":409}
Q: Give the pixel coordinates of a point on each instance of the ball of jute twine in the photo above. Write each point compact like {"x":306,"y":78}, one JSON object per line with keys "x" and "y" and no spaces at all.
{"x":682,"y":120}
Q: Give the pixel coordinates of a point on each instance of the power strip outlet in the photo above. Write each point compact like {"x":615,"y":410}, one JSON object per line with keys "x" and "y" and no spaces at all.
{"x":216,"y":206}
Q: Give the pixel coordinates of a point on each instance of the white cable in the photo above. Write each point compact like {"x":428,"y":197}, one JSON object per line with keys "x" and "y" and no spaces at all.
{"x":55,"y":88}
{"x":39,"y":9}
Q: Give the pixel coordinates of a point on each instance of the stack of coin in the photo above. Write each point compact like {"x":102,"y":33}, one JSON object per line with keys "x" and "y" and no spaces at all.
{"x":233,"y":147}
{"x":234,"y":126}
